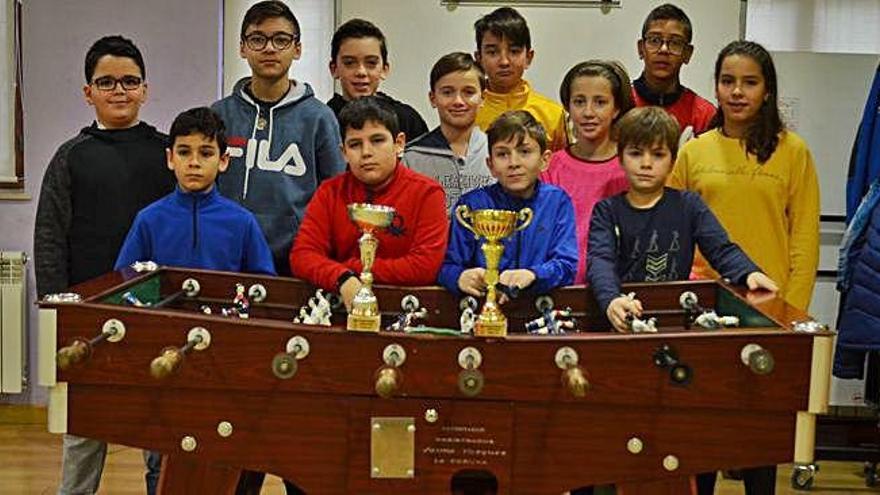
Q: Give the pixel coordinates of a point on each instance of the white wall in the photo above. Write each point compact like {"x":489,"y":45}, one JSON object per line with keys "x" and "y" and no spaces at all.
{"x":421,"y":31}
{"x":179,"y":42}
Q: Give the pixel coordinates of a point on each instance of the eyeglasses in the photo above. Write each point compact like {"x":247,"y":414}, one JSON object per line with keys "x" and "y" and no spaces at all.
{"x":654,"y":43}
{"x":280,"y":41}
{"x":108,"y":83}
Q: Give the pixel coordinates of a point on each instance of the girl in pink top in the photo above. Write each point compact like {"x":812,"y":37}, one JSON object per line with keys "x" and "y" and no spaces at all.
{"x":595,"y":94}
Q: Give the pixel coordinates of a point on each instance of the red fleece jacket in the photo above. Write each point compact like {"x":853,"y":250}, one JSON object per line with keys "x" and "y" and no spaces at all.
{"x":410,"y":251}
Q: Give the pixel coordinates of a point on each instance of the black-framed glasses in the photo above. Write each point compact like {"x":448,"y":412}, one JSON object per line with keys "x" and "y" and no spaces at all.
{"x":108,"y":83}
{"x":280,"y":41}
{"x":654,"y":42}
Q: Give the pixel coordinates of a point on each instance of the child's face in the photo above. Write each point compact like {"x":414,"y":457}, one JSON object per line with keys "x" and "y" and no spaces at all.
{"x":504,"y":63}
{"x":741,"y":89}
{"x":196,"y":160}
{"x":359,"y":67}
{"x":372,"y":153}
{"x":517,"y":163}
{"x":119,"y":107}
{"x":271,"y":63}
{"x":664,"y":49}
{"x":457,"y":97}
{"x":592,"y":108}
{"x":646,"y":167}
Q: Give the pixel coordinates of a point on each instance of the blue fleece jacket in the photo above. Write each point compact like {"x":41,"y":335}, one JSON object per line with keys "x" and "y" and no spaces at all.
{"x":547,"y":247}
{"x":279,"y":154}
{"x":197,"y":230}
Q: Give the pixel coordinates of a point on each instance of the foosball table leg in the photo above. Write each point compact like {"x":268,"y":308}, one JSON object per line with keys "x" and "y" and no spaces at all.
{"x":182,"y":474}
{"x":673,"y":486}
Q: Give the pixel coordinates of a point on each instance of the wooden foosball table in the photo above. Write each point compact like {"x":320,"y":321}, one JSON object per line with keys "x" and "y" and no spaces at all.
{"x":135,"y":359}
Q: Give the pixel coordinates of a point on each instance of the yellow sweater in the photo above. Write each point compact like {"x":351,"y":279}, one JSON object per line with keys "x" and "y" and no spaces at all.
{"x":546,"y":111}
{"x":770,"y":210}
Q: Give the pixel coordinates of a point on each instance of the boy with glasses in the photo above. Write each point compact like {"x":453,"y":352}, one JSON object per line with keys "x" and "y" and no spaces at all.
{"x":92,"y":189}
{"x":283,"y":142}
{"x":665,"y":47}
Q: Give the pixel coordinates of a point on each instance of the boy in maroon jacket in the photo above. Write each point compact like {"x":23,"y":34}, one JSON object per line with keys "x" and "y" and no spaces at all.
{"x":411,"y":249}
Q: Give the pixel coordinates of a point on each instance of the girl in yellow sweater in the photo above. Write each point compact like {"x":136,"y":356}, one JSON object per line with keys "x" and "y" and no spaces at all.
{"x":757,"y":177}
{"x":760,"y":181}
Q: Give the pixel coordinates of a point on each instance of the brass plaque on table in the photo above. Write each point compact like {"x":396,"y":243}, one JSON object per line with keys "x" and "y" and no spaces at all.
{"x":392,"y":447}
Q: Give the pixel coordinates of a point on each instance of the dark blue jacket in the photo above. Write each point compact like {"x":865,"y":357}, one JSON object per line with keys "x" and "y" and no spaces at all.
{"x":859,"y":321}
{"x":197,"y":230}
{"x":657,"y":244}
{"x":547,"y":247}
{"x":864,"y":166}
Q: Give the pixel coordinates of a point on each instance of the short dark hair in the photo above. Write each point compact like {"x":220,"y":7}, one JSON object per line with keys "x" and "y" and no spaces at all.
{"x":200,"y":120}
{"x":117,"y":46}
{"x":456,"y":62}
{"x":647,"y":126}
{"x":669,"y":12}
{"x":357,"y":29}
{"x":518,"y":124}
{"x":268,"y":9}
{"x":358,"y":112}
{"x":611,"y":71}
{"x":504,"y":22}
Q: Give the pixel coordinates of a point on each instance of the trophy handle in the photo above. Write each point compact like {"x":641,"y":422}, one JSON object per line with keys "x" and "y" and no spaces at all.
{"x":462,"y":212}
{"x":525,"y":216}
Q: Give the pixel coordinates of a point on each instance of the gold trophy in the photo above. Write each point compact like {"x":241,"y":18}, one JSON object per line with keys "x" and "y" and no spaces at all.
{"x":364,"y":315}
{"x":492,"y":225}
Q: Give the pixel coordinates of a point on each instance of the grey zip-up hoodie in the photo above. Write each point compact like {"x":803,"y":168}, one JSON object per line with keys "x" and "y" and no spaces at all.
{"x":279,"y":155}
{"x":431,"y":155}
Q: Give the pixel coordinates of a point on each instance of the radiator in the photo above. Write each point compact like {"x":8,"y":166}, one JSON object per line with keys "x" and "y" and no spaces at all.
{"x":13,"y":318}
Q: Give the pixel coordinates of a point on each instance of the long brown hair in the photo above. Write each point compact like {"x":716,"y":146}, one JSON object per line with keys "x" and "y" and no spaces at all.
{"x":762,"y":135}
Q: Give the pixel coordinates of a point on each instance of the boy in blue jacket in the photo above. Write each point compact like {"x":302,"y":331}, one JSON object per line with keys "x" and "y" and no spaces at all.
{"x":540,"y":257}
{"x":194,"y":226}
{"x":649,"y":233}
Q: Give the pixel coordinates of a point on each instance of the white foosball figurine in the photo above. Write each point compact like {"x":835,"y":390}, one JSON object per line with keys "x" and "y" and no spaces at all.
{"x":710,"y":320}
{"x":316,"y":312}
{"x":644,"y":326}
{"x":467,"y":321}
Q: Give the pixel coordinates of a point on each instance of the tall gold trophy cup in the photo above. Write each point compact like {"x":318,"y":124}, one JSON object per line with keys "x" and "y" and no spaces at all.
{"x":364,"y":315}
{"x":492,"y":225}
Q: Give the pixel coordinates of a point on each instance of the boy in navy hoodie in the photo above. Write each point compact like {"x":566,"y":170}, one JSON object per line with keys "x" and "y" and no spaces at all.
{"x":194,"y":226}
{"x":91,"y":191}
{"x":649,"y":233}
{"x":540,"y":257}
{"x":283,"y":142}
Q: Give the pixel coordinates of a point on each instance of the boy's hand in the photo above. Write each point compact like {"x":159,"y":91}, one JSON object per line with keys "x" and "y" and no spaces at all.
{"x":473,"y":281}
{"x":620,"y":308}
{"x":348,"y":290}
{"x":757,"y":280}
{"x":519,"y":278}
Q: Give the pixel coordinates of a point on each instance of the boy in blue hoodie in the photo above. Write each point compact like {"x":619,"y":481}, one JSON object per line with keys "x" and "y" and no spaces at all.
{"x":283,"y":142}
{"x":194,"y":226}
{"x":540,"y":257}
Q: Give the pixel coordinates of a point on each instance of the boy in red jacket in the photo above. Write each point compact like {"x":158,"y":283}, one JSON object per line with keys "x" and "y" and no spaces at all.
{"x":411,"y":250}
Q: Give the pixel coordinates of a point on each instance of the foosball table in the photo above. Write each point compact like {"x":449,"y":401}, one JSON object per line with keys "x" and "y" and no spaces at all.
{"x":210,"y":369}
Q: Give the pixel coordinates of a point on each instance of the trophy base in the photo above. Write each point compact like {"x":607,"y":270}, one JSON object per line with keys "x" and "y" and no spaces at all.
{"x":491,"y":328}
{"x":360,"y":323}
